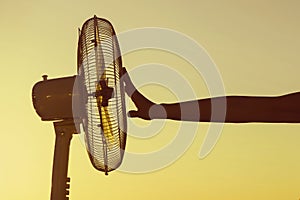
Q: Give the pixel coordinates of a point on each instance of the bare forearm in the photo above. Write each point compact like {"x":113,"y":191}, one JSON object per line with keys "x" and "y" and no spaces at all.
{"x":239,"y":109}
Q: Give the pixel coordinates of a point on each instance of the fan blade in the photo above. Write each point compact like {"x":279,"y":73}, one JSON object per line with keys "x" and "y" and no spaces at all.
{"x":105,"y":119}
{"x":107,"y":127}
{"x":100,"y":62}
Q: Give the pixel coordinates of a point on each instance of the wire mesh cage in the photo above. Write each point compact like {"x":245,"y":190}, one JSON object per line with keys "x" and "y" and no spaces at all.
{"x":104,"y":117}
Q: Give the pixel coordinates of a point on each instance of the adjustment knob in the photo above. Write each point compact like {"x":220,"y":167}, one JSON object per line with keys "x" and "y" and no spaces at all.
{"x":45,"y":77}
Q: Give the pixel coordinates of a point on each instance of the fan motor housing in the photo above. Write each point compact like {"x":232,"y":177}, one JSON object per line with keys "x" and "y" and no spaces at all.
{"x":52,"y":99}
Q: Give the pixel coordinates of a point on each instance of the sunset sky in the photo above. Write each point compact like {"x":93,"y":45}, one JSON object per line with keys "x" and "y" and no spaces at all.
{"x":255,"y":46}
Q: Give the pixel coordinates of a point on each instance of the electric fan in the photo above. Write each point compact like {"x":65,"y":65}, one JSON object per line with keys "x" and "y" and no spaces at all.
{"x":91,"y":102}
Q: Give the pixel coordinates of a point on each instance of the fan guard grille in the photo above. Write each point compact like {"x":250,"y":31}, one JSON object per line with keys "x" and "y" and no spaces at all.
{"x":99,"y":60}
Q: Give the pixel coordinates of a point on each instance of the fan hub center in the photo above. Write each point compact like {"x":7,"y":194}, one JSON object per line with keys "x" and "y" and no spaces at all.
{"x":104,"y":91}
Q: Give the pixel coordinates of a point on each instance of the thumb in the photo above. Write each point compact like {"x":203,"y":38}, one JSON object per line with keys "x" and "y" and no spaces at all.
{"x":133,"y":113}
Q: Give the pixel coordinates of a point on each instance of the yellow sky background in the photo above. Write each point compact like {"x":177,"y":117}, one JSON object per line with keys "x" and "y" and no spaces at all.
{"x":255,"y":45}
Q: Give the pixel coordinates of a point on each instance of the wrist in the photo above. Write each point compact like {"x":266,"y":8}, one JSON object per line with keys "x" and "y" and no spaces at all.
{"x":158,"y":111}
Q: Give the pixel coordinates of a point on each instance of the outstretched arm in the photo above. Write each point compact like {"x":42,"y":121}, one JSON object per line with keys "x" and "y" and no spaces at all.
{"x":239,"y":109}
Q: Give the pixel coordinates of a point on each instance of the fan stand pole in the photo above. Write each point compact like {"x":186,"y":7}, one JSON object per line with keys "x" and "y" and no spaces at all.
{"x":60,"y":181}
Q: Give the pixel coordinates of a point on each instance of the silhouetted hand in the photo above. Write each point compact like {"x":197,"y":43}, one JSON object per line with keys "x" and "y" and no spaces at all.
{"x":142,"y":104}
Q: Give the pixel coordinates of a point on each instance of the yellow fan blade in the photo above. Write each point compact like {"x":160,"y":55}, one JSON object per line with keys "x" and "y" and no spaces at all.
{"x":107,"y":127}
{"x":106,"y":121}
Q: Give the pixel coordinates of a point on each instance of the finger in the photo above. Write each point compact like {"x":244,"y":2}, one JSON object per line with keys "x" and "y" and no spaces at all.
{"x":138,"y":99}
{"x":129,"y":87}
{"x":124,"y":70}
{"x":133,"y":113}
